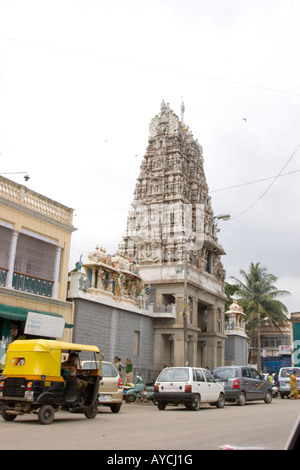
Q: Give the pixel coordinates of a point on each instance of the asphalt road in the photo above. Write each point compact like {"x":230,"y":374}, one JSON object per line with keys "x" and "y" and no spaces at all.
{"x":138,"y":426}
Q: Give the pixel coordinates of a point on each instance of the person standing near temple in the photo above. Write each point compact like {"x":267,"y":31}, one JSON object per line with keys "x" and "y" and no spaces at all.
{"x":128,"y":371}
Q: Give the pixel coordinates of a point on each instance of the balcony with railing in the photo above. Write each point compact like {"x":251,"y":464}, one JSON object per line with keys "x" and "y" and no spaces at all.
{"x":32,"y":285}
{"x":26,"y":283}
{"x":3,"y":273}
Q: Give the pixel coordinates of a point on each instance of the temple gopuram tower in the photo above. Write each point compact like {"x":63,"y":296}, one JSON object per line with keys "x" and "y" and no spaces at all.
{"x":172,"y":236}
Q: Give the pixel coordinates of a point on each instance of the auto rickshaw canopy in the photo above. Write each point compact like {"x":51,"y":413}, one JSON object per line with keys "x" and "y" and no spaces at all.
{"x":40,"y":356}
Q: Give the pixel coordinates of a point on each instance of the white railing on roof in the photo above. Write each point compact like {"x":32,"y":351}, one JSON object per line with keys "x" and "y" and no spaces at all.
{"x":21,"y":195}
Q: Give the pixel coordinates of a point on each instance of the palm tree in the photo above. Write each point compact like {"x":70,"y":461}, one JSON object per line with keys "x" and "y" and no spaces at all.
{"x":258,"y":297}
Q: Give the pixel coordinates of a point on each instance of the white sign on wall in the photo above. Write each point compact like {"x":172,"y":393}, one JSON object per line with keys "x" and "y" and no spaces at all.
{"x":284,"y":349}
{"x":38,"y":324}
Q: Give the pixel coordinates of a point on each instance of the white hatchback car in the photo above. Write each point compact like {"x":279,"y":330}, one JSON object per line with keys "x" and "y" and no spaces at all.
{"x":188,"y":385}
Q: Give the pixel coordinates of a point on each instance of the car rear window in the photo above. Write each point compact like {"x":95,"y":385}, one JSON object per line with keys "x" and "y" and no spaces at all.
{"x":225,"y":374}
{"x":89,"y":365}
{"x":286,"y":373}
{"x":108,"y":370}
{"x":174,"y":375}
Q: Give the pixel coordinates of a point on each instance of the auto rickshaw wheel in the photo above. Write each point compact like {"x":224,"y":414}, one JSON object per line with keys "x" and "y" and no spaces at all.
{"x":7,"y":416}
{"x":91,"y":411}
{"x":46,"y":414}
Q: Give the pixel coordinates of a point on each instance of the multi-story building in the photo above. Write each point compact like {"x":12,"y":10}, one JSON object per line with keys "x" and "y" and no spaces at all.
{"x":295,"y":346}
{"x":172,"y":235}
{"x":35,"y":238}
{"x":275,"y":346}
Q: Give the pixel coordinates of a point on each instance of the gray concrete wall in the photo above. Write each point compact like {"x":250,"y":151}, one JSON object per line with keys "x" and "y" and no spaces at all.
{"x":236,"y":350}
{"x":115,"y":332}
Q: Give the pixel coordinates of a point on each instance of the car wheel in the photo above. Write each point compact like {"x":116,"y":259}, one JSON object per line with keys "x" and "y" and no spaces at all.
{"x":161,"y":406}
{"x":268,"y":397}
{"x":115,"y":408}
{"x":221,"y":402}
{"x":46,"y":414}
{"x":195,"y":405}
{"x":241,"y":401}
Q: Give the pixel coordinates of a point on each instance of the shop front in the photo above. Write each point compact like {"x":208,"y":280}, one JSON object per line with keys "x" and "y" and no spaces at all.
{"x":21,"y":323}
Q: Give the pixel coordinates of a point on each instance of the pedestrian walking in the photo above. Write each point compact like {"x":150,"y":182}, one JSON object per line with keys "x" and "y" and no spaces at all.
{"x":293,"y":385}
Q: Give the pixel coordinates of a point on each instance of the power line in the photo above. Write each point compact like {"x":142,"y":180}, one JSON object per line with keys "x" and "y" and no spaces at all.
{"x":268,"y":188}
{"x":213,"y":191}
{"x":252,"y":182}
{"x":165,"y":69}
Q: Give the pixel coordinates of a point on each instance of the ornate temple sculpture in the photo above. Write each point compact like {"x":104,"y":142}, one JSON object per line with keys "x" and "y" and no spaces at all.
{"x":115,"y":277}
{"x":171,"y":206}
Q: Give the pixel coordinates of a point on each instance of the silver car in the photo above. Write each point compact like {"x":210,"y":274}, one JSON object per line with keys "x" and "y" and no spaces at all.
{"x":242,"y":384}
{"x":284,"y":377}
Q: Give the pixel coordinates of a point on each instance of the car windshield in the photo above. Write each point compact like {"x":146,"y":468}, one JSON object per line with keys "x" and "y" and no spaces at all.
{"x":225,"y":374}
{"x":285,"y":373}
{"x":174,"y":375}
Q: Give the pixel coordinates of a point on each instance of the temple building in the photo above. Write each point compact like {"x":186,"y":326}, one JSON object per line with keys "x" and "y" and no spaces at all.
{"x":171,"y":235}
{"x":236,"y":347}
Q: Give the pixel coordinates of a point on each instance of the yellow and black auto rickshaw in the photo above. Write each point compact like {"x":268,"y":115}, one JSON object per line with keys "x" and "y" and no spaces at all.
{"x":35,"y":379}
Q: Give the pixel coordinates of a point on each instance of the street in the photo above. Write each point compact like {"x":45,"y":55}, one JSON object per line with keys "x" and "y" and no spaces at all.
{"x":142,"y":426}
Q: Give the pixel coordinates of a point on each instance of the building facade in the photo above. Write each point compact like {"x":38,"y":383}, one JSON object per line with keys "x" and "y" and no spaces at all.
{"x":295,"y":346}
{"x":35,"y":234}
{"x":171,"y":234}
{"x":275,"y":346}
{"x":112,"y":311}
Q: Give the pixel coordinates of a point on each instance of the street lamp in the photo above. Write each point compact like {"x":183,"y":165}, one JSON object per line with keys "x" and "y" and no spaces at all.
{"x":224,"y":217}
{"x":26,"y":177}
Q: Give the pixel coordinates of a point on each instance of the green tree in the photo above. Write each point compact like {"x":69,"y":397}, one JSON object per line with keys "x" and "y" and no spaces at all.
{"x":230,"y":290}
{"x":258,"y":295}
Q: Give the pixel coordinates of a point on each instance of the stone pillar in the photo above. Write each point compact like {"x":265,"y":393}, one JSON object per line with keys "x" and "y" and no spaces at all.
{"x":211,"y":319}
{"x":56,"y":272}
{"x":178,"y":347}
{"x":202,"y":353}
{"x":158,"y":347}
{"x":192,"y":350}
{"x":179,"y":309}
{"x":12,"y":256}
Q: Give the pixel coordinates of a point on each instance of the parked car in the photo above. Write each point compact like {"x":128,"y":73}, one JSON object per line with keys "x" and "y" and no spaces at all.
{"x":284,"y":376}
{"x":111,"y":386}
{"x":242,"y":384}
{"x":188,"y":385}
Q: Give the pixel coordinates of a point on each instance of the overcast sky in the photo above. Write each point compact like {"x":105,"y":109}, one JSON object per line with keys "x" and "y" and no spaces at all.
{"x":80,"y":81}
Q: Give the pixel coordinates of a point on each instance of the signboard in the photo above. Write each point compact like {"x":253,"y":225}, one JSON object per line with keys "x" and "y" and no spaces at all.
{"x":41,"y":325}
{"x":285,"y":349}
